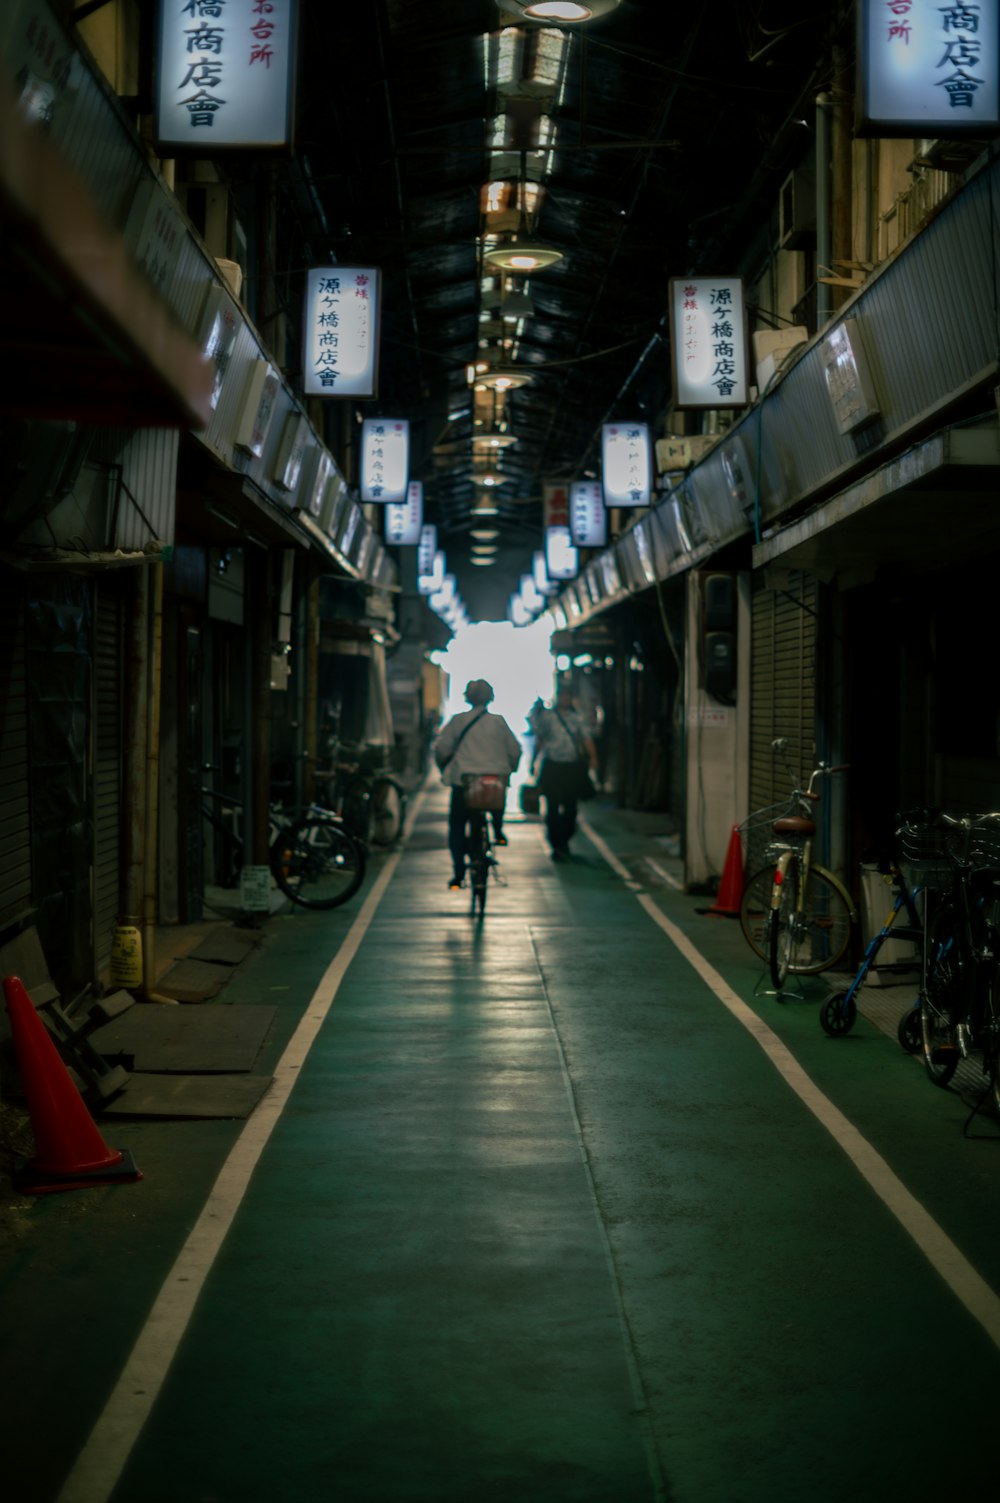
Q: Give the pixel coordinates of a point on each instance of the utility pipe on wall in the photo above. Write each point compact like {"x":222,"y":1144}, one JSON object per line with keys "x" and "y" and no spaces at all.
{"x":824,"y":250}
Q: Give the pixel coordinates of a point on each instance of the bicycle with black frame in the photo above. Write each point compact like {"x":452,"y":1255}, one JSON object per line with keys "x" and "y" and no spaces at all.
{"x":484,"y":794}
{"x":959,"y":1001}
{"x":359,"y":787}
{"x":313,"y":859}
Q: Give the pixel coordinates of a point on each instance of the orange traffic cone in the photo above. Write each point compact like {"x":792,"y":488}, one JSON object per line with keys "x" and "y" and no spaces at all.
{"x":727,"y":900}
{"x":69,"y":1151}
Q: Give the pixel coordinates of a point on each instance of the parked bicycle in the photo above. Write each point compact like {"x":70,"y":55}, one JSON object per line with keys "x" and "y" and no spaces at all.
{"x":795,"y":914}
{"x":839,"y":1012}
{"x":959,"y":1002}
{"x":366,"y":795}
{"x":313,"y":859}
{"x":484,"y":794}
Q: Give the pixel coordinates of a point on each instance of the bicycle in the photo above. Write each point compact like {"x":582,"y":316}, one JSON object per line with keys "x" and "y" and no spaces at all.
{"x":484,"y":794}
{"x":795,"y":914}
{"x":839,"y":1012}
{"x":312,"y":858}
{"x":959,"y":1002}
{"x":371,"y":802}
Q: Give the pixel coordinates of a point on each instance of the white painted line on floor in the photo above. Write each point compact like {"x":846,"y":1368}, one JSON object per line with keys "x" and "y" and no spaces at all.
{"x":982,"y":1302}
{"x":102,"y":1460}
{"x":664,"y":875}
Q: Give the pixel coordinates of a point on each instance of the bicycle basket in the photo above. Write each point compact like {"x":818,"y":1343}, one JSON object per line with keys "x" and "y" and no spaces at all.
{"x":758,"y":838}
{"x":484,"y":790}
{"x":923,"y":854}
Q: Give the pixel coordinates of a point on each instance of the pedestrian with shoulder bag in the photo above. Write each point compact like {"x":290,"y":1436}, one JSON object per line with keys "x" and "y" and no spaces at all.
{"x":569,"y":765}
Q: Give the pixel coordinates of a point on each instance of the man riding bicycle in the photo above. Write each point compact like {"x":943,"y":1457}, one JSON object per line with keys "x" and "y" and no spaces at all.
{"x":474,"y":741}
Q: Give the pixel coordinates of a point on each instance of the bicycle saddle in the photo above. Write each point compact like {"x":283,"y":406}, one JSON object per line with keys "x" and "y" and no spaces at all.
{"x":795,"y":824}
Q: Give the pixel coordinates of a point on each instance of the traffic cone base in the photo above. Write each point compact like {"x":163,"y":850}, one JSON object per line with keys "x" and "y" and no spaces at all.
{"x":30,"y":1180}
{"x":730,"y":894}
{"x":69,"y":1151}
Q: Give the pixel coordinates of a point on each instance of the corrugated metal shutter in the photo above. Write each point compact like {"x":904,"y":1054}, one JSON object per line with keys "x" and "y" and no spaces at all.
{"x":109,"y":611}
{"x":15,"y":808}
{"x":783,"y":685}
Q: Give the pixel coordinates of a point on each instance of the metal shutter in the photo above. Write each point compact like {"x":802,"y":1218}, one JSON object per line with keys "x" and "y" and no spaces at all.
{"x":107,"y":785}
{"x":15,"y":815}
{"x":783,"y":684}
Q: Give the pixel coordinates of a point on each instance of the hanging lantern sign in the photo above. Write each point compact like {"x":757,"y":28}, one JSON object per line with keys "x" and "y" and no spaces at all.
{"x":561,"y":558}
{"x":225,"y":75}
{"x":404,"y":519}
{"x":427,"y":547}
{"x":588,"y":520}
{"x":385,"y":459}
{"x":928,"y":69}
{"x":540,"y":575}
{"x":709,"y":342}
{"x":429,"y":582}
{"x":626,"y":465}
{"x":341,"y":334}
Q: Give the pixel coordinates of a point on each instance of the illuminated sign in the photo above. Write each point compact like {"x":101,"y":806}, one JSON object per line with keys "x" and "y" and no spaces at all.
{"x":404,"y":519}
{"x":385,"y":459}
{"x":561,"y":558}
{"x":708,"y":338}
{"x":928,"y":68}
{"x":588,"y":519}
{"x":427,"y":548}
{"x":224,"y":74}
{"x":219,"y":328}
{"x":626,"y":464}
{"x":340,"y":339}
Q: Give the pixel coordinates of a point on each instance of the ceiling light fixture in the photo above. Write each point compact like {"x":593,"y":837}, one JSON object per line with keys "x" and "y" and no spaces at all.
{"x":485,"y":534}
{"x":522,"y":254}
{"x":503,"y":378}
{"x":570,"y":12}
{"x":481,"y":561}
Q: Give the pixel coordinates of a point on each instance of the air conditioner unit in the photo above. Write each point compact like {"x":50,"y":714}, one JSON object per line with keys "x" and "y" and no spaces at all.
{"x":797,"y":210}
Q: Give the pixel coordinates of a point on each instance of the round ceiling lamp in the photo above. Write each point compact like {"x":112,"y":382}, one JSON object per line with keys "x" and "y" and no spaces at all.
{"x":485,"y":534}
{"x":569,"y":12}
{"x":497,"y":437}
{"x":503,"y":377}
{"x":482,"y":561}
{"x":522,"y":255}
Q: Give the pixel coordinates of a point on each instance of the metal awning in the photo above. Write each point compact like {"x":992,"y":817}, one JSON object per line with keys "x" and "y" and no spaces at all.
{"x":83,"y":335}
{"x":902,"y":514}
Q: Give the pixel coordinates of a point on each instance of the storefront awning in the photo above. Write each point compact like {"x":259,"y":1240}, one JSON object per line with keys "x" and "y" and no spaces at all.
{"x":904,"y":514}
{"x":83,"y":335}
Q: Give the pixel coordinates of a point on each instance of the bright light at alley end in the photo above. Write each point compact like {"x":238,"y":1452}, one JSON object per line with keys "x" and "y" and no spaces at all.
{"x":227,"y":81}
{"x":626,"y":464}
{"x":708,"y":338}
{"x":340,"y":339}
{"x":928,"y":69}
{"x":385,"y":459}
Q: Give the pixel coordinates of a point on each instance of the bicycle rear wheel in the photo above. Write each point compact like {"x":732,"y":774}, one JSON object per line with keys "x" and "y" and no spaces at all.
{"x":388,"y":808}
{"x":755,"y":911}
{"x":479,"y":866}
{"x":317,"y":863}
{"x":783,"y":938}
{"x":357,"y":809}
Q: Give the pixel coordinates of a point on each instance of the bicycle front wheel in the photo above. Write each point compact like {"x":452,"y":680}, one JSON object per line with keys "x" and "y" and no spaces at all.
{"x":822,"y":927}
{"x":317,"y":863}
{"x":784,"y":924}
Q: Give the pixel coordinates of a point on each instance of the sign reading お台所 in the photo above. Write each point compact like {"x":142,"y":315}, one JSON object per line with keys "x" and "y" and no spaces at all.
{"x":224,"y":74}
{"x":929,"y":68}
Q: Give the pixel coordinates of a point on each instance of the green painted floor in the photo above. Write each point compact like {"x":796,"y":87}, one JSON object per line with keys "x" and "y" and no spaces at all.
{"x":540,"y":1221}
